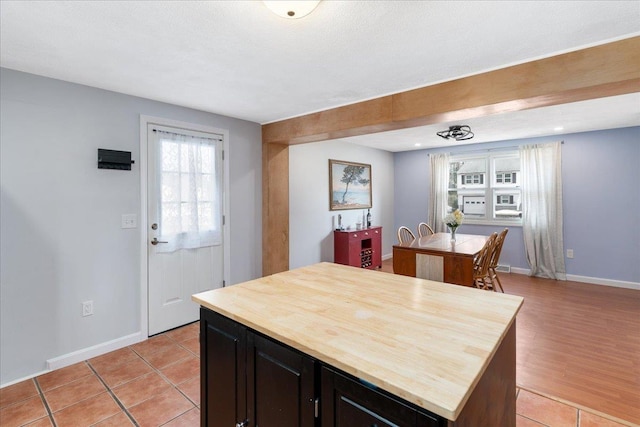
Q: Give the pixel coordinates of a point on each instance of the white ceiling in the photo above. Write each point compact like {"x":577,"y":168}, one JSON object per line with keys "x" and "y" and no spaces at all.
{"x":238,"y":59}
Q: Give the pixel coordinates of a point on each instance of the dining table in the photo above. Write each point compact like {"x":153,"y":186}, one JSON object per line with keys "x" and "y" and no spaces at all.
{"x":438,"y":257}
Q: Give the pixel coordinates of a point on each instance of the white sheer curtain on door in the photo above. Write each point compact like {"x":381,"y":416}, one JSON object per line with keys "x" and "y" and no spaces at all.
{"x":439,"y":191}
{"x":189,"y":173}
{"x":541,"y":167}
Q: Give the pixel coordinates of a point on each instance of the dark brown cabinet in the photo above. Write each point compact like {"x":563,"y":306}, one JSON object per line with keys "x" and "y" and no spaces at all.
{"x":280,"y":385}
{"x":249,"y":380}
{"x":358,"y":248}
{"x":347,"y":402}
{"x":223,"y":365}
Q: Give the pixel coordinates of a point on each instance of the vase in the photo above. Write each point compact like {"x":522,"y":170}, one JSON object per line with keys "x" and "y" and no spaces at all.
{"x":453,"y":233}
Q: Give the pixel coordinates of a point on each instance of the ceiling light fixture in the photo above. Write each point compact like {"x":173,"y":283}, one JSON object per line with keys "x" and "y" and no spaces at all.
{"x":457,"y":132}
{"x":292,"y":9}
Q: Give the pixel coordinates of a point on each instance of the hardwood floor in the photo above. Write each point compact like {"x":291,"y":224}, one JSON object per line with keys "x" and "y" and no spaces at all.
{"x":578,"y":343}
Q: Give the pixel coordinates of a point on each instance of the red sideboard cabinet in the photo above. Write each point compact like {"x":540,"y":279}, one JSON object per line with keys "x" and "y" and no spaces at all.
{"x":358,"y":248}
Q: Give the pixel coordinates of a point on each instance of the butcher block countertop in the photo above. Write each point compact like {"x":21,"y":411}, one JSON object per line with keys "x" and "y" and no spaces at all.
{"x":426,"y":342}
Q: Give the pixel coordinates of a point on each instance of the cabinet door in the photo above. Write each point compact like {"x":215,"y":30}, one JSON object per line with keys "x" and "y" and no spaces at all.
{"x":223,"y":346}
{"x":355,"y":252}
{"x":349,"y":403}
{"x":281,"y":385}
{"x":341,"y":247}
{"x":376,"y":244}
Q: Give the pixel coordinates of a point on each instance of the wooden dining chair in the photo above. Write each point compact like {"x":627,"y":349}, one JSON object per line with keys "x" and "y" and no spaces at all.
{"x":481,"y":278}
{"x":405,"y":235}
{"x":424,"y":229}
{"x":495,"y":257}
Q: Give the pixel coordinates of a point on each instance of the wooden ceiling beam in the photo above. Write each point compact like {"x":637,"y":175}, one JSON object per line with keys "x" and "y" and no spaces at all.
{"x":600,"y":71}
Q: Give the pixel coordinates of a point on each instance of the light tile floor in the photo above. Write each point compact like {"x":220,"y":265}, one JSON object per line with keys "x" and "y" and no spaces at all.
{"x":157,"y":383}
{"x":153,"y":383}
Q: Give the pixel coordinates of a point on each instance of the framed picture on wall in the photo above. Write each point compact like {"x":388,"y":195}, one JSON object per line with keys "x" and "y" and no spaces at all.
{"x":349,"y":185}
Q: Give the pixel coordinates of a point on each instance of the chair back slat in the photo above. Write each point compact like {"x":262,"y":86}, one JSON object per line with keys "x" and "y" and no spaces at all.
{"x":497,"y":248}
{"x":405,"y":235}
{"x":424,"y":229}
{"x":482,"y":262}
{"x":495,"y":258}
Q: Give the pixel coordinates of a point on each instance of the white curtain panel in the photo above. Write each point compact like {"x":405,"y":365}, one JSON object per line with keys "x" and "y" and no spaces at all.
{"x":189,"y":174}
{"x":541,"y":167}
{"x":438,"y":193}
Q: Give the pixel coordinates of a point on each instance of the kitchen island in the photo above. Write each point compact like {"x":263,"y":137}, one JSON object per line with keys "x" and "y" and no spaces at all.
{"x":333,"y":345}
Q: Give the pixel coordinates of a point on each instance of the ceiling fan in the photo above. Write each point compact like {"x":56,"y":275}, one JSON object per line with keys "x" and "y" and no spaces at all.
{"x":457,"y":132}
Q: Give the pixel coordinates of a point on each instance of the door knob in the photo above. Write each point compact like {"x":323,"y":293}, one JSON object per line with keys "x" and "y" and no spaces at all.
{"x":155,"y":241}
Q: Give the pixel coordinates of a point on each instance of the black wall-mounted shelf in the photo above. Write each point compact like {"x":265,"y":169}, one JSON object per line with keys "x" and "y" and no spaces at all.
{"x":113,"y":159}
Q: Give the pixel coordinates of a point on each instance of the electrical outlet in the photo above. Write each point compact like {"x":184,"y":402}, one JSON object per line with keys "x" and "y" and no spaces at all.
{"x":569,"y":253}
{"x":87,"y":308}
{"x":129,"y":221}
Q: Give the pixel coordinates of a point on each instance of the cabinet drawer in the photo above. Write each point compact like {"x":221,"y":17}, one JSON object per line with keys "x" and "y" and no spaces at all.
{"x":349,"y":403}
{"x":363,"y":234}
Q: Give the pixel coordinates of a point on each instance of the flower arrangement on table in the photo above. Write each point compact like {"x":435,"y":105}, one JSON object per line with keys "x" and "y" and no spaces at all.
{"x":453,"y":221}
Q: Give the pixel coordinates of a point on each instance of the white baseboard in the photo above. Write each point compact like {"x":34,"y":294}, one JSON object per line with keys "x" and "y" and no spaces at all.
{"x":519,"y":270}
{"x":93,"y":351}
{"x":387,"y":256}
{"x":19,"y":380}
{"x":604,"y":282}
{"x":586,"y":279}
{"x":83,"y":354}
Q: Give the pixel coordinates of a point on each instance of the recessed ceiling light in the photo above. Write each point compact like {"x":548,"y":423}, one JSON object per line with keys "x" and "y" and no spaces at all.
{"x":417,"y":144}
{"x":558,"y":128}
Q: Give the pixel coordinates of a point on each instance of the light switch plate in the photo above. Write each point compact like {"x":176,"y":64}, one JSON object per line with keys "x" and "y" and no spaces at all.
{"x":129,"y":221}
{"x":87,"y":308}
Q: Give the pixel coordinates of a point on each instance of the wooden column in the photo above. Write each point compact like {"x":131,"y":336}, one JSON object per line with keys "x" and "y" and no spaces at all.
{"x":596,"y":72}
{"x":275,"y":208}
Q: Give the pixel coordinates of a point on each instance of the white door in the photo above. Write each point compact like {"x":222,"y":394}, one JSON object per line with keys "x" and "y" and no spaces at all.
{"x":185,"y":236}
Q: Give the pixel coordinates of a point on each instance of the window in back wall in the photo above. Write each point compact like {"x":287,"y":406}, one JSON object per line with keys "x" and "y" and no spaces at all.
{"x":486,"y":187}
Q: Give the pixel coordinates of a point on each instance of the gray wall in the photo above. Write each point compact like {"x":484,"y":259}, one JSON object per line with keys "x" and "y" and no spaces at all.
{"x":601,"y":203}
{"x":311,"y":223}
{"x":60,"y":236}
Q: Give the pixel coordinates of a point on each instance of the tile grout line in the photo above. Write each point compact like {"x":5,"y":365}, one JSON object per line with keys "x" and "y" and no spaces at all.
{"x":158,"y":371}
{"x":175,"y":386}
{"x":44,"y":401}
{"x":579,"y":408}
{"x":185,"y":396}
{"x":164,"y":377}
{"x":112,"y":394}
{"x":178,"y":416}
{"x":187,"y":349}
{"x":531,"y":419}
